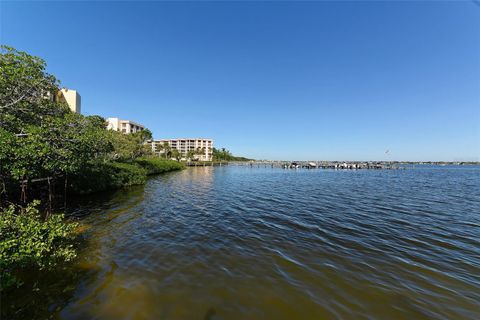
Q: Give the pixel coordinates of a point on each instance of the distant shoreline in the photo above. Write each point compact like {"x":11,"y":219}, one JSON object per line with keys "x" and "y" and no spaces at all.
{"x":458,"y":163}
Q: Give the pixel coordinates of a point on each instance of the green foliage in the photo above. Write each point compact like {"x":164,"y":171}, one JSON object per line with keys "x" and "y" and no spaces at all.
{"x":174,"y":153}
{"x":25,"y":90}
{"x":99,"y":176}
{"x":126,"y":174}
{"x":145,"y":135}
{"x":56,"y":146}
{"x":127,"y":147}
{"x":156,"y":165}
{"x":194,"y":155}
{"x":191,"y":155}
{"x":165,"y":150}
{"x":225,"y":155}
{"x":40,"y":137}
{"x":29,"y":241}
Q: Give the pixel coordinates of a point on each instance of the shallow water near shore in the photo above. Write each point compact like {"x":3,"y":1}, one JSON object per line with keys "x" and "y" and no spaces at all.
{"x":266,"y":243}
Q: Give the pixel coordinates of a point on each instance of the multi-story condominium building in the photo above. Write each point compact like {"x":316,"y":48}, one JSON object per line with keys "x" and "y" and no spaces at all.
{"x":125,"y":126}
{"x":202,"y":148}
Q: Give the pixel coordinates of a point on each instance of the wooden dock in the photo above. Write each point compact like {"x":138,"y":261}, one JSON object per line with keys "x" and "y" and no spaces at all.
{"x":206,"y":163}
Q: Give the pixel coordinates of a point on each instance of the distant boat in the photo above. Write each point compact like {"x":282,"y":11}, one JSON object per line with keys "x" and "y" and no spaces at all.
{"x":294,"y":165}
{"x":312,"y":164}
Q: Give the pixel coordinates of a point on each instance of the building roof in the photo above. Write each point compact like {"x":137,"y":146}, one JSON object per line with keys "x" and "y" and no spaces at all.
{"x":182,"y":139}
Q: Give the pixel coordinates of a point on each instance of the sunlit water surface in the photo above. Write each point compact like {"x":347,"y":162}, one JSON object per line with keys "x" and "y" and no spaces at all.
{"x":266,"y":243}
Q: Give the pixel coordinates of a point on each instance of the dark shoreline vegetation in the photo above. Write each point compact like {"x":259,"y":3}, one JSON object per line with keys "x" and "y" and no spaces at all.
{"x":48,"y":153}
{"x":225,"y":155}
{"x":102,"y":176}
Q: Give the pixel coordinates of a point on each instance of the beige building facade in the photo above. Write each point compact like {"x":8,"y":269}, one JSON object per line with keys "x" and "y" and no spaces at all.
{"x":202,"y":148}
{"x":71,"y":97}
{"x":124,"y":126}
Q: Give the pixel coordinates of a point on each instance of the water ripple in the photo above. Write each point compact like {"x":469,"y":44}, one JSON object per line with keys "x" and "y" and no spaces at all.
{"x":264,"y":243}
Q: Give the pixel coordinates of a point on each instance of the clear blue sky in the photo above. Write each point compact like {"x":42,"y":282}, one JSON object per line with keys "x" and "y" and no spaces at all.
{"x":276,"y":80}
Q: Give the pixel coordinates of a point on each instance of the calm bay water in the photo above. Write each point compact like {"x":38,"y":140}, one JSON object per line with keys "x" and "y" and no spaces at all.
{"x":265,"y":243}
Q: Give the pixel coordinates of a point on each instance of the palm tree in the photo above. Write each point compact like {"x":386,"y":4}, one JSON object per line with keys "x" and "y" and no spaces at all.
{"x":190,"y":155}
{"x":176,"y":154}
{"x":200,"y":151}
{"x":160,"y":149}
{"x":167,"y":150}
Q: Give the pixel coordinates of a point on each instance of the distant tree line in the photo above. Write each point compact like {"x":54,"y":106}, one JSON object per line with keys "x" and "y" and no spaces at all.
{"x":225,"y":155}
